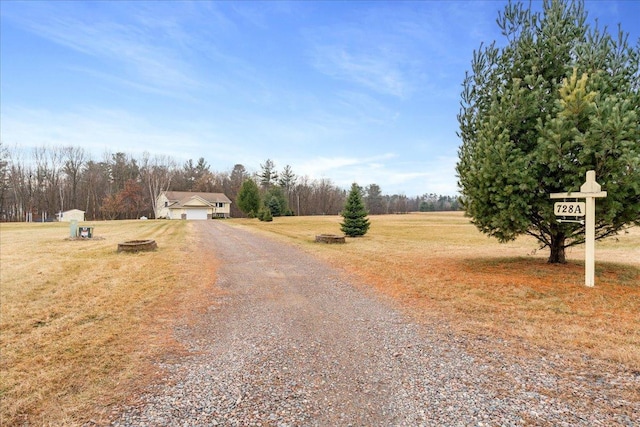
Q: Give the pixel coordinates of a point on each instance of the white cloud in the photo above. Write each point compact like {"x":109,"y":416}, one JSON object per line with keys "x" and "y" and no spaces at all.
{"x":231,"y":94}
{"x":101,"y":130}
{"x":320,"y":166}
{"x":129,"y":47}
{"x":391,"y":172}
{"x":397,"y":49}
{"x":371,"y":70}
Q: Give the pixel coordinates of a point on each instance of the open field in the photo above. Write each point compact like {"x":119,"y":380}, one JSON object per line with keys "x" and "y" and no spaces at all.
{"x":80,"y":323}
{"x":440,"y":267}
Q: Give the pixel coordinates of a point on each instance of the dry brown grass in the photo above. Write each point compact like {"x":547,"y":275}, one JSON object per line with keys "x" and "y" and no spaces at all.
{"x":440,"y":266}
{"x":80,"y":323}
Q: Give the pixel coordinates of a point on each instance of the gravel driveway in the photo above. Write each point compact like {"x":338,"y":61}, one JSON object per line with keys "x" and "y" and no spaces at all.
{"x":294,"y":343}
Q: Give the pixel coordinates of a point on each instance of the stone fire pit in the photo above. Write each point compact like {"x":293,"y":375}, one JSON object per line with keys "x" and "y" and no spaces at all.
{"x":329,"y":238}
{"x":137,"y":246}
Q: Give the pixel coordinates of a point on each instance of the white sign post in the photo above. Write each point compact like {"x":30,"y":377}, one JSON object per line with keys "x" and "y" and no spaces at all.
{"x":589,"y":191}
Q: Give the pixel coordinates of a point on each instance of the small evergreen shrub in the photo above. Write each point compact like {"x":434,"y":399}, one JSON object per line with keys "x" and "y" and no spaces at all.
{"x":355,"y":215}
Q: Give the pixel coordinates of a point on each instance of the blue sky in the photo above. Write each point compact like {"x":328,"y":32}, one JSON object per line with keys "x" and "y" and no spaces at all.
{"x":364,"y":92}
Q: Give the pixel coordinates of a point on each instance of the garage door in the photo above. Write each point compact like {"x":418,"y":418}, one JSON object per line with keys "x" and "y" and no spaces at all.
{"x":197,"y":214}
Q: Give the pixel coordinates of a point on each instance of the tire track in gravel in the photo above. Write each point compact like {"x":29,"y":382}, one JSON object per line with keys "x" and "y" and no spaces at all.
{"x":293,"y":343}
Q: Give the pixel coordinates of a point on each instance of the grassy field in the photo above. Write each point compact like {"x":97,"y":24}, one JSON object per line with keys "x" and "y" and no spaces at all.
{"x":81,"y":324}
{"x":440,"y":267}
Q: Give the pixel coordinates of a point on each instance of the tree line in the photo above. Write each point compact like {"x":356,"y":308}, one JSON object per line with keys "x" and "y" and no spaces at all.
{"x":50,"y":180}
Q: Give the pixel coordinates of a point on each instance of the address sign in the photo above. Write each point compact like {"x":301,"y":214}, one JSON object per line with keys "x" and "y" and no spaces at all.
{"x":589,"y":191}
{"x":569,"y":208}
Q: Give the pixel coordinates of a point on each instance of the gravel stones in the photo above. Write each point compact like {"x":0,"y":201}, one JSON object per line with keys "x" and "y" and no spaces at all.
{"x":294,"y":343}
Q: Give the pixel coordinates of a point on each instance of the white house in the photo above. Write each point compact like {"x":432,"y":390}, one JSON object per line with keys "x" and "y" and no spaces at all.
{"x":189,"y":205}
{"x":68,"y":216}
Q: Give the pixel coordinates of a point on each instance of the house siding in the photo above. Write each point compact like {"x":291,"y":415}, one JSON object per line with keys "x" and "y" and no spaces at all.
{"x":161,"y":206}
{"x":178,"y":205}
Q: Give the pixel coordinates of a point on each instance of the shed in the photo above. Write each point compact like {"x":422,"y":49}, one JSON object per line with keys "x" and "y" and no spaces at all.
{"x":72,"y":214}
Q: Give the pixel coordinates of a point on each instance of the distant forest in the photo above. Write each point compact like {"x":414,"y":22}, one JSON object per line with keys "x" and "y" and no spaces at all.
{"x":57,"y":179}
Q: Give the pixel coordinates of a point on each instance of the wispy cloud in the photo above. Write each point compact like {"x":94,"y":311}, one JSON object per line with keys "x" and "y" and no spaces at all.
{"x":321,"y":165}
{"x":351,"y":91}
{"x":391,"y":172}
{"x":371,"y":70}
{"x":382,"y":48}
{"x":364,"y":51}
{"x":129,"y":47}
{"x":99,"y":130}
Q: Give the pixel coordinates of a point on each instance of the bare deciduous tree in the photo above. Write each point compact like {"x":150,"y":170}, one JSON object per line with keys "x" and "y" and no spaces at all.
{"x":157,"y":173}
{"x":74,"y":160}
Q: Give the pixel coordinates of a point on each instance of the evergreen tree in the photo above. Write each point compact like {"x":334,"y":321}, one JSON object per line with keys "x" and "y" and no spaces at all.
{"x":192,"y":174}
{"x":268,"y":176}
{"x":287,"y":178}
{"x":273,"y":206}
{"x":374,"y":200}
{"x":287,"y":181}
{"x":232,"y":186}
{"x":265,"y":215}
{"x":275,"y":201}
{"x":354,"y":214}
{"x":558,"y":100}
{"x":249,"y":197}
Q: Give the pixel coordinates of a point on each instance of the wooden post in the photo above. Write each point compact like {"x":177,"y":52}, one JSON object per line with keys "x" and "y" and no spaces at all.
{"x":592,"y":188}
{"x":589,"y":191}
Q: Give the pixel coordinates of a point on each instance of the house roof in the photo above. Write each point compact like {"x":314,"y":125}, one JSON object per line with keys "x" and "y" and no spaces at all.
{"x":188,"y":198}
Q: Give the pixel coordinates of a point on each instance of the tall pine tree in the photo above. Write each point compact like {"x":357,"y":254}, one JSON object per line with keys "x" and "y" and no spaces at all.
{"x":249,"y":198}
{"x":561,"y":98}
{"x":354,"y":213}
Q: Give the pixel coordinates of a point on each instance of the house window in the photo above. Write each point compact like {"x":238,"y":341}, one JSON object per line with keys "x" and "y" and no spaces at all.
{"x":166,"y":203}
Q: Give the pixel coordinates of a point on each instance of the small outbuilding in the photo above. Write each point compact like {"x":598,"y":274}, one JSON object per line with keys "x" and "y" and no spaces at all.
{"x":70,"y":215}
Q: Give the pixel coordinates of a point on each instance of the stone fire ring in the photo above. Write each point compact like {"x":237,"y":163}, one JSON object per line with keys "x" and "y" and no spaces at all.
{"x":137,"y":246}
{"x":329,"y":238}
